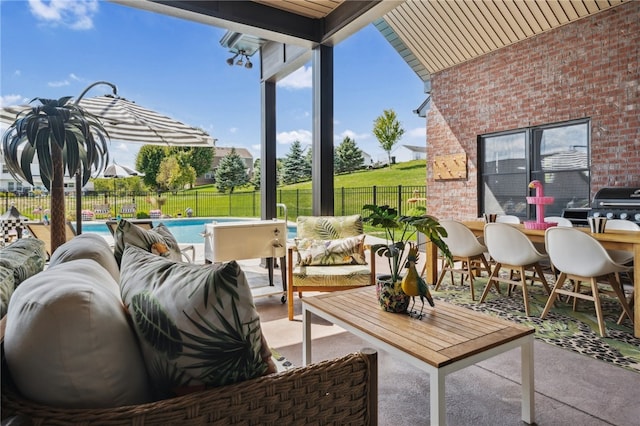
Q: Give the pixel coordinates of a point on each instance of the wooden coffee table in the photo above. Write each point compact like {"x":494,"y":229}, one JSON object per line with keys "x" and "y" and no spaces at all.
{"x":447,"y":339}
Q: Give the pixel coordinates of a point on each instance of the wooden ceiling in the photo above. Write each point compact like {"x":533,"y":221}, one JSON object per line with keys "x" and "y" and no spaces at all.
{"x":431,"y":35}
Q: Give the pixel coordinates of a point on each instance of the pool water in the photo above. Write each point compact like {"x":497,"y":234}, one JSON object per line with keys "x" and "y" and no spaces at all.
{"x":185,"y":230}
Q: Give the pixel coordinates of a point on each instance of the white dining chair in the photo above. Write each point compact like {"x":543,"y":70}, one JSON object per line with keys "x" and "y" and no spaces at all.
{"x":507,"y":218}
{"x":581,"y":258}
{"x":511,"y":249}
{"x":622,"y":256}
{"x":465,"y":249}
{"x":561,"y":221}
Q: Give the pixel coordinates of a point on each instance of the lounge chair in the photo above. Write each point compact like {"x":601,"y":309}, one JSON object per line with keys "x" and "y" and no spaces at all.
{"x":102,"y":211}
{"x":42,"y":231}
{"x":128,"y":210}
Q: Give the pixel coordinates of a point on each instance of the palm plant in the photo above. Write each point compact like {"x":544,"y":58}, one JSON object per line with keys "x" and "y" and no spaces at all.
{"x":63,"y":136}
{"x":399,"y":230}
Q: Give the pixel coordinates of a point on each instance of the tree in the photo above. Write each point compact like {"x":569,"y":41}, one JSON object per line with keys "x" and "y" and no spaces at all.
{"x":175,"y":173}
{"x":198,"y":157}
{"x":255,"y":179}
{"x":388,"y":130}
{"x":231,"y":172}
{"x":295,"y":165}
{"x":148,"y":162}
{"x":349,"y":156}
{"x":62,"y":135}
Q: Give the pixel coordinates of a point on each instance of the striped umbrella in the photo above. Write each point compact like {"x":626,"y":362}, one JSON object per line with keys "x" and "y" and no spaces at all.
{"x":129,"y":122}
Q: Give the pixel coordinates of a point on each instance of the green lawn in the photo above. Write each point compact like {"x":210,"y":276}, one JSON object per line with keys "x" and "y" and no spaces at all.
{"x":409,"y":173}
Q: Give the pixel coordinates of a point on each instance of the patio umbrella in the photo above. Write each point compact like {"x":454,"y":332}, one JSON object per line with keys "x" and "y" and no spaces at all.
{"x":117,"y":171}
{"x":126,"y":121}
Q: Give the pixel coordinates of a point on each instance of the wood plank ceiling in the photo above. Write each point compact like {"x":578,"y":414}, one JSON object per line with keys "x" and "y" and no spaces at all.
{"x":431,"y":35}
{"x":437,"y":34}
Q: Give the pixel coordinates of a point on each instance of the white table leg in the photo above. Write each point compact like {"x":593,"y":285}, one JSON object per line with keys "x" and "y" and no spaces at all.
{"x":438,"y":410}
{"x":306,"y":336}
{"x":528,"y":388}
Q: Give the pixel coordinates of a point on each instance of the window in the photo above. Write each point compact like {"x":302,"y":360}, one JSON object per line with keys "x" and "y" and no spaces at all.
{"x":557,"y":155}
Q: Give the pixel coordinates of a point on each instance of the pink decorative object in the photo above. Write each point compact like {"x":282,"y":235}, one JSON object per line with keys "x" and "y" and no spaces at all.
{"x":540,"y":201}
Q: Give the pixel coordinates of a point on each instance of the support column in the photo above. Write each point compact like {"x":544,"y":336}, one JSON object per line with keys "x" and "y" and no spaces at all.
{"x":322,"y":144}
{"x":268,"y":174}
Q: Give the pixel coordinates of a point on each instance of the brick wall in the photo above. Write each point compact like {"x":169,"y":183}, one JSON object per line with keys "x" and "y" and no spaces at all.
{"x":590,"y":68}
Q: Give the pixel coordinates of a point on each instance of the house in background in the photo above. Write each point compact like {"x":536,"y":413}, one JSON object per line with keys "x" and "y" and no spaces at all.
{"x":417,"y":152}
{"x":221,"y":152}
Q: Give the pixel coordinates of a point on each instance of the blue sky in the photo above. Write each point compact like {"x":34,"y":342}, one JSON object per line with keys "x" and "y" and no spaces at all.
{"x":56,"y":48}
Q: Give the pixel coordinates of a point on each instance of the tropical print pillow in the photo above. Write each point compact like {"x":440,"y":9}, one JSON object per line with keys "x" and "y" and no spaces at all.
{"x":342,"y":251}
{"x":25,"y":257}
{"x":197,"y":325}
{"x":128,"y":233}
{"x":7,"y":285}
{"x":329,"y":227}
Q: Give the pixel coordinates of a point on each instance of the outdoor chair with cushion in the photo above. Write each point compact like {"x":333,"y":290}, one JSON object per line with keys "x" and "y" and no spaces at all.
{"x":329,"y":255}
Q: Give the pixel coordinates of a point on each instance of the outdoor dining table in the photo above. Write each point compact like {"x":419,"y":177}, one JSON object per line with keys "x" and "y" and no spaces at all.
{"x":612,"y":239}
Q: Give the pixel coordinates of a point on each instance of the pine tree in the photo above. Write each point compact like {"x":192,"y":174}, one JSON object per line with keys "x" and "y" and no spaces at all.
{"x":231,"y":172}
{"x":349,"y":156}
{"x":295,"y":167}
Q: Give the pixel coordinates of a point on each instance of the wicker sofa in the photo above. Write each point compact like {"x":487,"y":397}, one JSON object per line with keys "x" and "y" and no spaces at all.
{"x":338,"y":391}
{"x":48,"y":339}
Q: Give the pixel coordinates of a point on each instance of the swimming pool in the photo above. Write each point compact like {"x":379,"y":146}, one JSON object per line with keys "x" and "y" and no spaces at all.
{"x":186,"y":230}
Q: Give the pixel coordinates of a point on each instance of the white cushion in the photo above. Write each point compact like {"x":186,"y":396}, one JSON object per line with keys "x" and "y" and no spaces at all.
{"x":197,"y":324}
{"x":68,"y":342}
{"x":87,"y":246}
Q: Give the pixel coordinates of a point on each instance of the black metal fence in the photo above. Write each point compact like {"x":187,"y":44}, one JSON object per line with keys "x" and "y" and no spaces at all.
{"x":207,"y":204}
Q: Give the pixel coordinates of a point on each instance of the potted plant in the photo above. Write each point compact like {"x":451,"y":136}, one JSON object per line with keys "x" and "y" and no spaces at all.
{"x":399,"y":231}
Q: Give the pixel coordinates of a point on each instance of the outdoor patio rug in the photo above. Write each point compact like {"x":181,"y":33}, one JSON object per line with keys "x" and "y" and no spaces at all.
{"x":575,"y":331}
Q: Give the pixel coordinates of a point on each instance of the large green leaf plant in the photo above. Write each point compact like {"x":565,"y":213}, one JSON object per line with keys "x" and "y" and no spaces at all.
{"x":62,"y":136}
{"x":399,"y":230}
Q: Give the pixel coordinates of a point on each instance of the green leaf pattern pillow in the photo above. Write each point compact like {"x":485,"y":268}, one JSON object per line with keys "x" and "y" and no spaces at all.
{"x":197,"y":324}
{"x":343,"y":251}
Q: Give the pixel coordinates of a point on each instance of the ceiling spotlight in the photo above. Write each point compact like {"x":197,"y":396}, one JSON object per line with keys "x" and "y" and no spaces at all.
{"x":230,"y":60}
{"x":243,"y":59}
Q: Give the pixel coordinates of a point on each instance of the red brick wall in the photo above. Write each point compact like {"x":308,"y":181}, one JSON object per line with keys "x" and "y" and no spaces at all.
{"x":590,"y":68}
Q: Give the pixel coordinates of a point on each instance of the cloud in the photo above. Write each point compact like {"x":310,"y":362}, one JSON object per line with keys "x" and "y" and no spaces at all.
{"x":58,"y":83}
{"x":353,"y":135}
{"x":303,"y":136}
{"x":233,"y":130}
{"x":299,"y":79}
{"x":17,"y":73}
{"x":77,"y":14}
{"x":12,"y":100}
{"x":418,"y":132}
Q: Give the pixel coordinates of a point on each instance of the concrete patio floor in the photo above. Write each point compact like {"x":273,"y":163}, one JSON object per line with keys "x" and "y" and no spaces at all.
{"x":571,"y":389}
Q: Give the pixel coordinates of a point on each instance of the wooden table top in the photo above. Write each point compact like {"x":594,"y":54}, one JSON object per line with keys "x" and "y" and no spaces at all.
{"x":446,"y":334}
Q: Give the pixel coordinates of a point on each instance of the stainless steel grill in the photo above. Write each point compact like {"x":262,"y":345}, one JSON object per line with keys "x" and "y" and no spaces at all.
{"x":617,"y":203}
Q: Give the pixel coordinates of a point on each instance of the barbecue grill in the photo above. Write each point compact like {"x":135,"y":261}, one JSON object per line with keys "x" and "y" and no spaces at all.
{"x":617,"y":203}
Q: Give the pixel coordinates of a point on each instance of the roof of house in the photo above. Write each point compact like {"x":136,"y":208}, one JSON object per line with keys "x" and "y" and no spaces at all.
{"x":224,"y":151}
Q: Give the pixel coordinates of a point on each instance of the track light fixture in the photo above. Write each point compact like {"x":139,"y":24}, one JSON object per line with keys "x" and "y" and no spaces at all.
{"x":243,"y":59}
